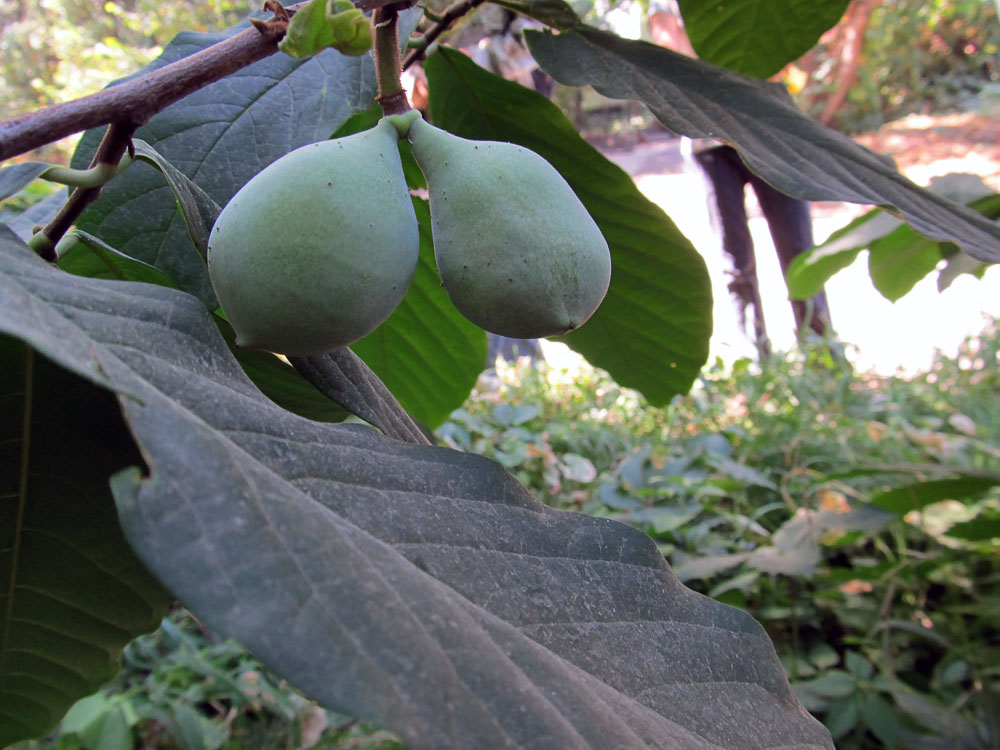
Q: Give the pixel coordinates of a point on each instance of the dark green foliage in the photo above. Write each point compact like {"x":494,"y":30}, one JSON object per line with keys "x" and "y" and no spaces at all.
{"x":183,"y":688}
{"x":761,"y":489}
{"x":72,"y":592}
{"x":357,"y":543}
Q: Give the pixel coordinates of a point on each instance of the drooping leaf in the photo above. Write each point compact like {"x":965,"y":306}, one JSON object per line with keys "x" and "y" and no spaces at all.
{"x":897,"y":262}
{"x":15,"y":178}
{"x":196,"y":207}
{"x":980,"y":529}
{"x":900,"y":256}
{"x":84,"y":254}
{"x":793,"y":153}
{"x":415,"y":585}
{"x":757,"y":37}
{"x":280,"y":383}
{"x":915,"y":496}
{"x":36,"y":215}
{"x":219,"y":137}
{"x":346,"y":379}
{"x":651,"y":332}
{"x":72,"y":593}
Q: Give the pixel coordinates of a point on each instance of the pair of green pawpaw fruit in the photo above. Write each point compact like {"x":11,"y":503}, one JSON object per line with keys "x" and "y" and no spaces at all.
{"x":318,"y":249}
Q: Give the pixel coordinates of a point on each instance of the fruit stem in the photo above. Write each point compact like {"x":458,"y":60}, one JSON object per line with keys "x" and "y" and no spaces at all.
{"x":391,"y":95}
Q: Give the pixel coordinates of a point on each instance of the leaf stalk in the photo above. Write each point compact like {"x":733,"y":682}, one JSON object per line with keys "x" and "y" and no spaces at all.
{"x":391,"y":94}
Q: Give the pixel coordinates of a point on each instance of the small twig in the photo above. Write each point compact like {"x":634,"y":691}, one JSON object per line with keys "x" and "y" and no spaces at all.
{"x":391,"y":94}
{"x":117,"y":140}
{"x":95,"y":176}
{"x":451,"y":14}
{"x":367,"y":5}
{"x":127,"y":106}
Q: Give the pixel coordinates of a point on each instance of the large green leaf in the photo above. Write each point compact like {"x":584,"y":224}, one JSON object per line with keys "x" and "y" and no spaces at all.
{"x":897,"y":262}
{"x":757,"y":37}
{"x":779,"y":143}
{"x":652,"y":330}
{"x":72,"y":593}
{"x":415,"y":585}
{"x":15,"y":178}
{"x":899,"y":256}
{"x":919,"y":494}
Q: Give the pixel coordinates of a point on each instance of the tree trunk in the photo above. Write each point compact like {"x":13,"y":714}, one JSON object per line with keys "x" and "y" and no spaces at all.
{"x":849,"y":45}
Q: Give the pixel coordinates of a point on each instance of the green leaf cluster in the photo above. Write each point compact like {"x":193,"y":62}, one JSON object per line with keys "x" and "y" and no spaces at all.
{"x":321,"y":24}
{"x":862,"y":530}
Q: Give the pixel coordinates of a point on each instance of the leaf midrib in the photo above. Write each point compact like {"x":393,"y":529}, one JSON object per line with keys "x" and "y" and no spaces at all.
{"x":22,"y":502}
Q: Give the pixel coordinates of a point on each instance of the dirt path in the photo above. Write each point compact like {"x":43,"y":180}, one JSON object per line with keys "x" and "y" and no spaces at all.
{"x":925,"y":146}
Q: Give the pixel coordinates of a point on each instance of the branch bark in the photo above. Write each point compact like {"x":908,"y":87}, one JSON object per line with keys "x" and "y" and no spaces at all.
{"x":451,"y":14}
{"x":850,"y":46}
{"x":135,"y":101}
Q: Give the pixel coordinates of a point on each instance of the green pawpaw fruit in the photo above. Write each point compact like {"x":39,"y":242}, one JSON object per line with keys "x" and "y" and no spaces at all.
{"x":319,"y":248}
{"x":516,"y":250}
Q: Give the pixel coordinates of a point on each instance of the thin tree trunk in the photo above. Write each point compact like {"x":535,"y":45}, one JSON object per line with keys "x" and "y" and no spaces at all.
{"x":850,"y":44}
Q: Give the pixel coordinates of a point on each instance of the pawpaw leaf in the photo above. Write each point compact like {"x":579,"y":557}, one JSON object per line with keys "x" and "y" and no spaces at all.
{"x":900,"y":256}
{"x":418,"y":586}
{"x":652,"y":330}
{"x":15,"y":178}
{"x":792,"y":152}
{"x":757,"y":37}
{"x":72,"y":592}
{"x":196,"y":207}
{"x":84,"y":254}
